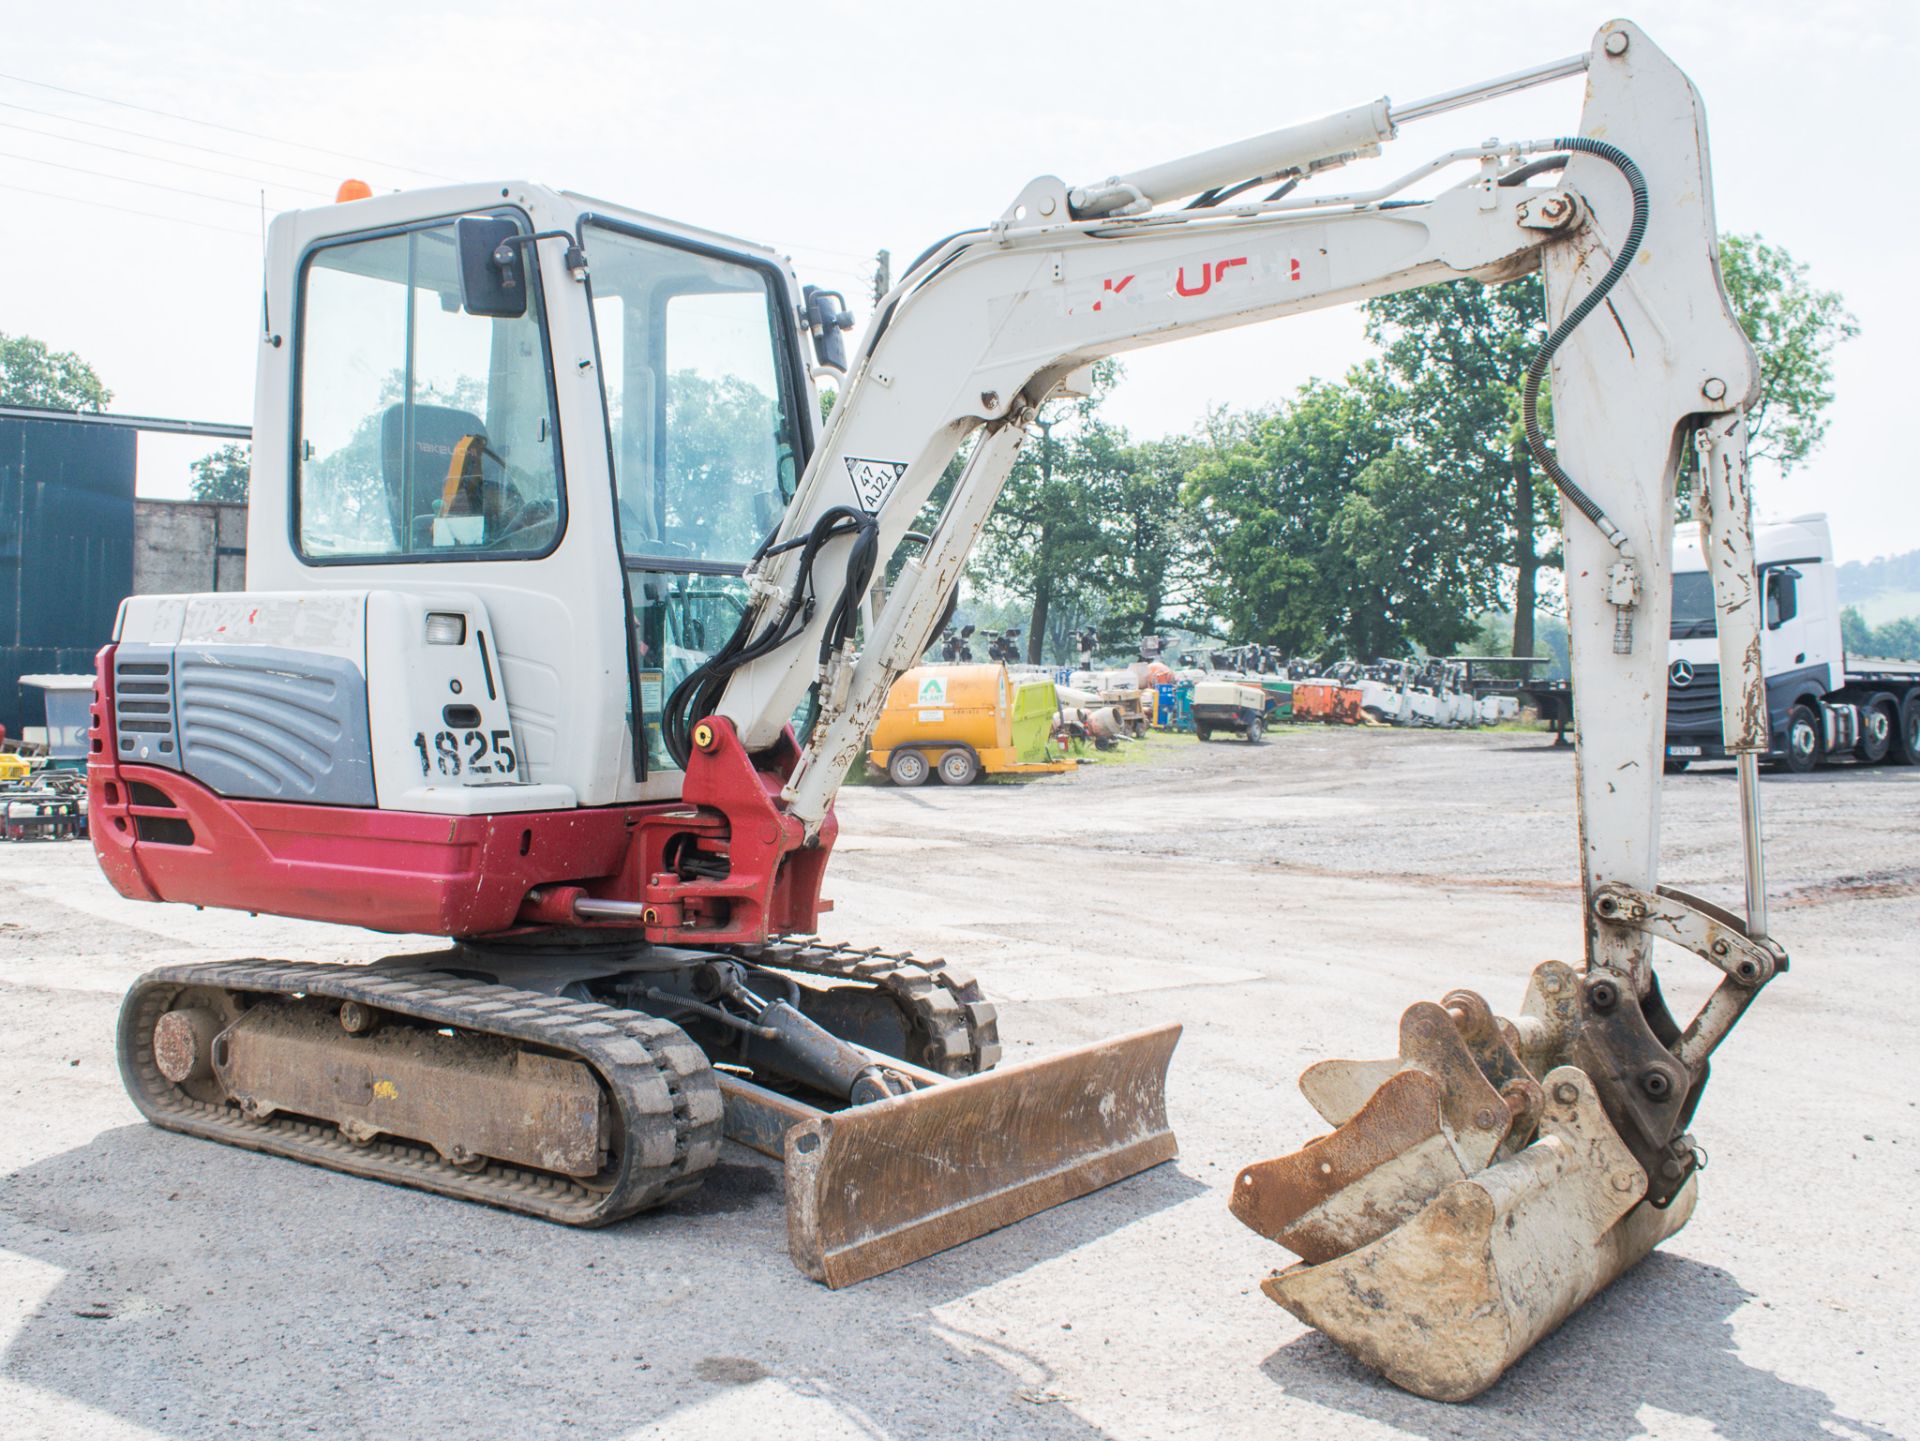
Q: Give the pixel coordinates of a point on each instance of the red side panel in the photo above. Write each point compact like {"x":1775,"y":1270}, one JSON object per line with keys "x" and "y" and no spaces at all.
{"x":386,"y":870}
{"x":163,"y":836}
{"x":106,"y":796}
{"x":772,"y":876}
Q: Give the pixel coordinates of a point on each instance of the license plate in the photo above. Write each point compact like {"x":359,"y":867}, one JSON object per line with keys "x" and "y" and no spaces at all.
{"x":1683,"y":750}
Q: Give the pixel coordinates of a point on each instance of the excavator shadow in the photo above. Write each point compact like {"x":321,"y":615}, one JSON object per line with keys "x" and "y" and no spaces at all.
{"x":177,"y":1285}
{"x":1675,"y":1318}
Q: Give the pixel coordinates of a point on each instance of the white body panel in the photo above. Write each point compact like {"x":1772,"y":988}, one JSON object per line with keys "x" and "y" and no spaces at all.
{"x":559,"y":622}
{"x":1390,"y":703}
{"x":422,"y":760}
{"x":1229,"y":693}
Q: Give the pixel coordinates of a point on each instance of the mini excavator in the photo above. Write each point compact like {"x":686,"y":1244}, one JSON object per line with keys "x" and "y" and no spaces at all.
{"x":558,"y":643}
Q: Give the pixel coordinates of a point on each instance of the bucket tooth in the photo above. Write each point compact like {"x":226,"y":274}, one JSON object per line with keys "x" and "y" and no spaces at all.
{"x":1476,"y":1116}
{"x":1338,"y":1089}
{"x":875,"y":1186}
{"x":1352,"y":1187}
{"x":1443,"y":1304}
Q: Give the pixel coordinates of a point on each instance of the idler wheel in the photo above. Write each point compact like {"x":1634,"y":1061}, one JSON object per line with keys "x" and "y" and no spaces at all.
{"x":183,"y":1044}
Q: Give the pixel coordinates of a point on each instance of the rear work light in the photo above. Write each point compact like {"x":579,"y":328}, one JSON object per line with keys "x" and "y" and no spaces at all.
{"x":446,"y":627}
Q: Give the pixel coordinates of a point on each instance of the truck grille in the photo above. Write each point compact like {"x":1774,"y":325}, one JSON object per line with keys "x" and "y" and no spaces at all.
{"x":1696,"y":705}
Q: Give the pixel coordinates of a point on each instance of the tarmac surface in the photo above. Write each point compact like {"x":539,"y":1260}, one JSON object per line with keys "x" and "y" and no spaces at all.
{"x":1284,"y":902}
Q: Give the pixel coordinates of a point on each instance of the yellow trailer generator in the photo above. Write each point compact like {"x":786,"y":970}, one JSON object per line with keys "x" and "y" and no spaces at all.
{"x":964,"y":721}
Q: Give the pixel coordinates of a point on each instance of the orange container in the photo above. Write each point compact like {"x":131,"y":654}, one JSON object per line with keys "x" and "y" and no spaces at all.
{"x":1325,"y":700}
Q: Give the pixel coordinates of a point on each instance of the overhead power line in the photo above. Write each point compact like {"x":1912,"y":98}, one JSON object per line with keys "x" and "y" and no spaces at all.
{"x":161,"y":159}
{"x":796,"y":245}
{"x":163,"y":140}
{"x":216,"y":125}
{"x":129,"y":180}
{"x":125,"y":210}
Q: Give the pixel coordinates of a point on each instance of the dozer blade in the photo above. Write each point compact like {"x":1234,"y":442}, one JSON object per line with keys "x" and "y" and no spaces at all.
{"x":875,"y":1186}
{"x":1443,"y":1302}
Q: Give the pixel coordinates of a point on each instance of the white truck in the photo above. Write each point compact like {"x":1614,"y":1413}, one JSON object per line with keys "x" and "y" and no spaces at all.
{"x":1822,"y":704}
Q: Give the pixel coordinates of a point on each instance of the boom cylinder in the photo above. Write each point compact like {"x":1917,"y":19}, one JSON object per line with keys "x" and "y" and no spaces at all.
{"x":1329,"y":140}
{"x":1354,"y":132}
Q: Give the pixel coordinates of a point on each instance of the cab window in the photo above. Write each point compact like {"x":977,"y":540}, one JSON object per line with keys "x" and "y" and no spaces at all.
{"x":1783,"y":596}
{"x":705,"y":449}
{"x":424,"y":431}
{"x":1693,"y":613}
{"x":679,"y":620}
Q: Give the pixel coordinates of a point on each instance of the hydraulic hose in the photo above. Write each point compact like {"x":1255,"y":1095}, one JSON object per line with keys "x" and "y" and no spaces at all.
{"x":698,"y":695}
{"x":1537,"y":367}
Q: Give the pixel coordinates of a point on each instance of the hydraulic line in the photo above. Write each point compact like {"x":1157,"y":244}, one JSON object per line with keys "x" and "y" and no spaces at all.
{"x":695,"y":697}
{"x":1537,"y":367}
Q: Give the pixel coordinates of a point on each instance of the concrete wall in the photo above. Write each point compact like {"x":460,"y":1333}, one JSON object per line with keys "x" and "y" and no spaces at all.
{"x":188,"y":545}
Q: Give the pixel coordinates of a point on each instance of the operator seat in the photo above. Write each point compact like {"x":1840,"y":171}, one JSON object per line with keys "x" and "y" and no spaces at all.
{"x":418,"y":481}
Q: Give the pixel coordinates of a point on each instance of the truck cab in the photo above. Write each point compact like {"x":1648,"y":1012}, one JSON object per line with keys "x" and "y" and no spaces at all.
{"x":1820,"y":705}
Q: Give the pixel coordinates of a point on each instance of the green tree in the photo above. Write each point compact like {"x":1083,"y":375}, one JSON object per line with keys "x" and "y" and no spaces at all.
{"x":1458,"y":354}
{"x":1043,"y":541}
{"x":223,"y":475}
{"x":1403,"y":545}
{"x":33,"y":375}
{"x":1896,"y":640}
{"x":1794,"y":327}
{"x":1152,"y":568}
{"x":1330,"y":522}
{"x":1265,"y":502}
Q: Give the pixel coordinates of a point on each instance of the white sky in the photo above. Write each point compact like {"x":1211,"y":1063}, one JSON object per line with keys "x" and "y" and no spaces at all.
{"x":834,"y":129}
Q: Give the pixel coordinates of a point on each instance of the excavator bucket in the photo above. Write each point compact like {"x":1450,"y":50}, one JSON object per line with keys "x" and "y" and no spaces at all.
{"x":873,"y":1187}
{"x":1461,"y":1209}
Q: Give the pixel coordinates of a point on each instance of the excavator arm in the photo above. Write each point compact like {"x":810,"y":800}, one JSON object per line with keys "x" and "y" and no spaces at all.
{"x":1567,"y":1125}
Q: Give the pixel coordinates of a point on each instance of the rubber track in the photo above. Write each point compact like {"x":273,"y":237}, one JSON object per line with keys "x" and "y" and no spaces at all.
{"x":957,"y":1025}
{"x":668,"y":1104}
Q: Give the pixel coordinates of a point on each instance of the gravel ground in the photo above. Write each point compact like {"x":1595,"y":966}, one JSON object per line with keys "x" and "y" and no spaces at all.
{"x":1284,"y":902}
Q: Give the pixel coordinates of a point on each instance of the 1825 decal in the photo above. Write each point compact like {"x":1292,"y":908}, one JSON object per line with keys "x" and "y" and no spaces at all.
{"x":478,"y":753}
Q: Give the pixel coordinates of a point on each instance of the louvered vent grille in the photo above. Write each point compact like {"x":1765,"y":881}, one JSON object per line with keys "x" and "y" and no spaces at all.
{"x":143,"y":717}
{"x":271,"y":723}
